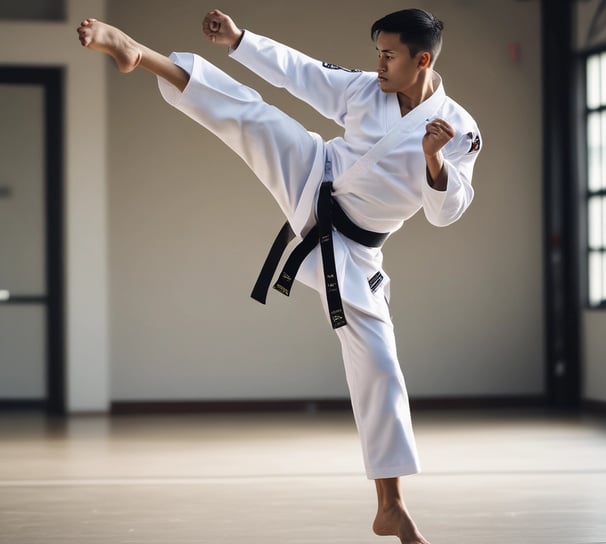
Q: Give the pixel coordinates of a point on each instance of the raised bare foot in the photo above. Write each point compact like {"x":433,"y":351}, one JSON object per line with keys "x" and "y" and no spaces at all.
{"x":396,"y":522}
{"x":111,"y":40}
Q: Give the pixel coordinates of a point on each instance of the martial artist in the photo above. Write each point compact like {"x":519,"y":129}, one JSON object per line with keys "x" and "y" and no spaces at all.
{"x":406,"y":147}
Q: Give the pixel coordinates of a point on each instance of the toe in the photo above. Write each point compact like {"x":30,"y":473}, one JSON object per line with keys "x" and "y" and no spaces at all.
{"x":84,"y":38}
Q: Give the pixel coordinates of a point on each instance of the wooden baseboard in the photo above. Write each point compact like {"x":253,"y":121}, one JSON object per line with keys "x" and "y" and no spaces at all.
{"x":595,"y":407}
{"x":228,"y":406}
{"x":310,"y":405}
{"x":21,"y":405}
{"x":478,"y":403}
{"x":316,"y":405}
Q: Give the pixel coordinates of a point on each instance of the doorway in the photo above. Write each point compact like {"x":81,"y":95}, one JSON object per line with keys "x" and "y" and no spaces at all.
{"x":31,"y":239}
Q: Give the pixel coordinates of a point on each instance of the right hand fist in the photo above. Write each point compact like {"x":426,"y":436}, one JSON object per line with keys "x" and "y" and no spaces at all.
{"x":219,"y":28}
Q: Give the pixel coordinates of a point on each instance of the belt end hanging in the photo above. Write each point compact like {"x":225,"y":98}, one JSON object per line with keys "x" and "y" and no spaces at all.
{"x":337,"y":318}
{"x":284,"y":284}
{"x":259,"y":296}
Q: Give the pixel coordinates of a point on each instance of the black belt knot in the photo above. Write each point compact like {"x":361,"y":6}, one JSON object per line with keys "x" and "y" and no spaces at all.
{"x":330,"y":215}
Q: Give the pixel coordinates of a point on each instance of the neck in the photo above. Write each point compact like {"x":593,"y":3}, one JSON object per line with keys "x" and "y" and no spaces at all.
{"x":419,"y":92}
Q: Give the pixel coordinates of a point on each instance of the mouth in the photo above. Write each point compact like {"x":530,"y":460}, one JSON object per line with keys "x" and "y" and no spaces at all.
{"x":381,"y":78}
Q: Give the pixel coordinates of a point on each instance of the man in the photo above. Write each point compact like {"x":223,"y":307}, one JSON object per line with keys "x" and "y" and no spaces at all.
{"x":406,"y":146}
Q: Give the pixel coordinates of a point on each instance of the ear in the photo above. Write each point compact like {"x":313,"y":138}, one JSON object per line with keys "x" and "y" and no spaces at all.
{"x":424,"y":59}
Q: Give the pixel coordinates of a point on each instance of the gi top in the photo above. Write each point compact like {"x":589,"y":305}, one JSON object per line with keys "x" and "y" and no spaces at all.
{"x":396,"y":187}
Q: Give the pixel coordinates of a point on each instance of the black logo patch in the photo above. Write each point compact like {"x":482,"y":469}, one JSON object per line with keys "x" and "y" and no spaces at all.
{"x":475,"y":142}
{"x":375,"y":281}
{"x":331,"y":66}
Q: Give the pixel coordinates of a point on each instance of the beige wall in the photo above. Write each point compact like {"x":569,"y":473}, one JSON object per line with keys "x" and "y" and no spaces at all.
{"x":36,"y":44}
{"x":189,"y":226}
{"x":594,"y":375}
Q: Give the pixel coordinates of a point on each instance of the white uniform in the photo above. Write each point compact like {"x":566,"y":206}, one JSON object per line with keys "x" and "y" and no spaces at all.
{"x":290,"y":162}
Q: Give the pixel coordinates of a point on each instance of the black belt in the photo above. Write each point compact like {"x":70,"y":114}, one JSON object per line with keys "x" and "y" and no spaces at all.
{"x":330,"y":215}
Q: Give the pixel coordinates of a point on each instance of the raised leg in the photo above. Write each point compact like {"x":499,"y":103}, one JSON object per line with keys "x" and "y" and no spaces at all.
{"x":129,"y":54}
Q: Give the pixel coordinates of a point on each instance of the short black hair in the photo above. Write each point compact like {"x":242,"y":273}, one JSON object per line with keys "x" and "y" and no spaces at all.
{"x":418,"y":29}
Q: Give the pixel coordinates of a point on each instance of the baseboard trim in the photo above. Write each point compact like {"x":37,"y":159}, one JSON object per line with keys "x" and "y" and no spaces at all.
{"x":228,"y":406}
{"x":597,"y":407}
{"x":479,"y":403}
{"x":310,"y":405}
{"x":317,"y":405}
{"x":19,"y":405}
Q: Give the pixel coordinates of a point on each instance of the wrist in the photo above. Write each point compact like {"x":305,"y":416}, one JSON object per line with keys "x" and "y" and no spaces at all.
{"x":238,"y":39}
{"x":434,"y":158}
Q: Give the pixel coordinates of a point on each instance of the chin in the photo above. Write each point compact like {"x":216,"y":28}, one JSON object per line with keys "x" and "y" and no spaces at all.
{"x":385,"y":86}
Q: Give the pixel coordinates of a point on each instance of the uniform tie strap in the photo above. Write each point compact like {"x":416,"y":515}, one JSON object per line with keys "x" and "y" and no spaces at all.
{"x":330,"y":215}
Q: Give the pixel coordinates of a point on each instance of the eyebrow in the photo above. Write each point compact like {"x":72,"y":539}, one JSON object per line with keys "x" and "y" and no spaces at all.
{"x":385,"y":50}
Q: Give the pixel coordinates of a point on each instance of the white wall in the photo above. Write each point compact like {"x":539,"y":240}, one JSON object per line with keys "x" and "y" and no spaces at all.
{"x":35,"y":44}
{"x":189,"y":226}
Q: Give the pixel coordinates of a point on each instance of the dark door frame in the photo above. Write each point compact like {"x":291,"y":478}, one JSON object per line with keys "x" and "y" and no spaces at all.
{"x":561,"y":221}
{"x":52,"y":81}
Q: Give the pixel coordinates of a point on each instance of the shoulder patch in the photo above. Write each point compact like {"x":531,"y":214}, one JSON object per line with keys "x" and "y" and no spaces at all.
{"x":331,"y":66}
{"x":475,"y":143}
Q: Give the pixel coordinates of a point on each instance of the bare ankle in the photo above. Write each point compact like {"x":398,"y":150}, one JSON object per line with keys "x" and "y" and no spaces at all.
{"x":394,"y":520}
{"x":392,"y":517}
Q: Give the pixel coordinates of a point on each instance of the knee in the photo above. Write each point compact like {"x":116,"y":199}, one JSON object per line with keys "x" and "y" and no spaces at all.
{"x":381,"y":370}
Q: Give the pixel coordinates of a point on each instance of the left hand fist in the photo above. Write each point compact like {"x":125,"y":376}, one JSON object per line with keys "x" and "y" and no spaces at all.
{"x":437,"y":134}
{"x":220,"y":28}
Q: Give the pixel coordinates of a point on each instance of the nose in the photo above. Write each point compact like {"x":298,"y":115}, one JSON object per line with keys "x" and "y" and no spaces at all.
{"x":381,"y":67}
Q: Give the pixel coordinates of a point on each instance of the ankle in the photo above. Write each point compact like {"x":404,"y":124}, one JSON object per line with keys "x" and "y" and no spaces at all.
{"x":396,"y":504}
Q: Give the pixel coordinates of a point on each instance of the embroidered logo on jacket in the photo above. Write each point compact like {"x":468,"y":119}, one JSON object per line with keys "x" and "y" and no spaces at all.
{"x":331,"y":66}
{"x":475,"y":142}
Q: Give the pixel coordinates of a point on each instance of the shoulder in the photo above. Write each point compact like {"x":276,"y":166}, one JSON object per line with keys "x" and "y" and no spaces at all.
{"x":331,"y":66}
{"x":457,"y":113}
{"x":468,"y":139}
{"x":353,"y":74}
{"x":359,"y":82}
{"x":355,"y":81}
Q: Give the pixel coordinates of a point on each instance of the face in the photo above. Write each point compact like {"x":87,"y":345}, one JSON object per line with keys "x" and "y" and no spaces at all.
{"x":398,"y":72}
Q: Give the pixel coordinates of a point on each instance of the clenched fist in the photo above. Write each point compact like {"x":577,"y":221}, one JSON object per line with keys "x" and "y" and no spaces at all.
{"x":220,"y":28}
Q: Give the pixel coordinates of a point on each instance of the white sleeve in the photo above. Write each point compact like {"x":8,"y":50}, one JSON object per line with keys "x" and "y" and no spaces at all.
{"x":323,"y":86}
{"x":443,"y":208}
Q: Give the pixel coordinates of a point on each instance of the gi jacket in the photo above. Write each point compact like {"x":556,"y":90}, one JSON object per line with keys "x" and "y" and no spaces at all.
{"x":396,"y":187}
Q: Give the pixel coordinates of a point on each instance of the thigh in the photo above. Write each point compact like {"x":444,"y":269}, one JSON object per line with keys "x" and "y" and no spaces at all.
{"x":278,"y":149}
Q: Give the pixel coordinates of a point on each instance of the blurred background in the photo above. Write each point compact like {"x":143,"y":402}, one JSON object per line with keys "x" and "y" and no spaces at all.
{"x":130,"y":237}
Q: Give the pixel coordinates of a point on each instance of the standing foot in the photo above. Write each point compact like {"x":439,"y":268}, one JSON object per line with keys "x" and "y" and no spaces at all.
{"x":108,"y":39}
{"x":395,"y":521}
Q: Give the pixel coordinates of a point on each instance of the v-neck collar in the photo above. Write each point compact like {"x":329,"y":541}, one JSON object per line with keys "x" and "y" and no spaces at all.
{"x":420,"y":113}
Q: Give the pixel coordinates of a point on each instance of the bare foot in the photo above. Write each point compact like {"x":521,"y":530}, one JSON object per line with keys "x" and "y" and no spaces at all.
{"x":395,"y":521}
{"x":108,"y":39}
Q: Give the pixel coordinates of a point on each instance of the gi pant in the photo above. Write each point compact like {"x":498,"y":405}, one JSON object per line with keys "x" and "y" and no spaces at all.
{"x":289,"y":161}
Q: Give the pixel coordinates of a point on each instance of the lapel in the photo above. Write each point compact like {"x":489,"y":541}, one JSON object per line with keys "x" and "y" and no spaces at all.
{"x":419,"y":115}
{"x":409,"y":123}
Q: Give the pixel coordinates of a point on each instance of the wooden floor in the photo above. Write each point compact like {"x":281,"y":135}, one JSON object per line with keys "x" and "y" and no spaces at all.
{"x":296,"y":478}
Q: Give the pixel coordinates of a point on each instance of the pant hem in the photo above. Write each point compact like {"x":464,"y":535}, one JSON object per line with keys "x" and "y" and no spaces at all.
{"x":393,"y":472}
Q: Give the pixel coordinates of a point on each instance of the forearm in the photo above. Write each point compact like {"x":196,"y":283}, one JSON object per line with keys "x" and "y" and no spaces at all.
{"x":308,"y":79}
{"x":437,"y":173}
